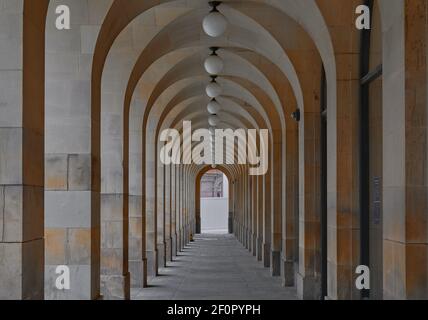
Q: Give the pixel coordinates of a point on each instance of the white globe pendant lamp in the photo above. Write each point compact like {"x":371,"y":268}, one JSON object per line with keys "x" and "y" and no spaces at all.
{"x":214,"y":89}
{"x":214,"y":120}
{"x":213,"y":107}
{"x":215,"y":24}
{"x":214,"y":64}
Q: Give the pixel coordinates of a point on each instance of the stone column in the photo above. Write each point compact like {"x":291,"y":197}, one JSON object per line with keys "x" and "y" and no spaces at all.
{"x":151,"y":218}
{"x":21,"y":149}
{"x":343,"y":230}
{"x":173,"y":211}
{"x":309,"y":174}
{"x":289,"y":223}
{"x":405,"y":244}
{"x":254,"y":214}
{"x":276,"y":199}
{"x":168,"y":218}
{"x":160,"y":210}
{"x":260,"y":214}
{"x":72,"y":214}
{"x":231,"y":216}
{"x":267,"y":187}
{"x":248,"y":209}
{"x":137,"y":219}
{"x":179,"y":209}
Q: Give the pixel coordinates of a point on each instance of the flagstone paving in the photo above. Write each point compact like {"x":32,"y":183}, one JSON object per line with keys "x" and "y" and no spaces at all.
{"x":215,"y":267}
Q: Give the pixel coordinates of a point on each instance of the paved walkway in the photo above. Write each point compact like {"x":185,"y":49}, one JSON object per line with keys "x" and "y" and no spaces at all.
{"x":214,"y":267}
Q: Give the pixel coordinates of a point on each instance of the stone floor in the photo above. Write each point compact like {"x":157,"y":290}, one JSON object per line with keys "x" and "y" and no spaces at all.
{"x":214,"y":267}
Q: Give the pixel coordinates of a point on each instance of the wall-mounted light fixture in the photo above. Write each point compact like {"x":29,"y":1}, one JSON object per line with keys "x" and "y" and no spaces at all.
{"x":296,"y":115}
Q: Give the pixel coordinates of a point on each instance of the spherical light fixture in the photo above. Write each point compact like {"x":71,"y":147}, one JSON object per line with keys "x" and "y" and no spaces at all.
{"x":214,"y":89}
{"x":214,"y":64}
{"x":213,"y":107}
{"x":215,"y":24}
{"x":214,"y":120}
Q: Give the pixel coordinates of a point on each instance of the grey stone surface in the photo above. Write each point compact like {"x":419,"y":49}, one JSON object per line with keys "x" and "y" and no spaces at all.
{"x":71,"y":209}
{"x":115,"y":287}
{"x":80,"y":283}
{"x":56,"y":172}
{"x":214,"y":267}
{"x":79,"y":172}
{"x":11,"y":159}
{"x":276,"y":263}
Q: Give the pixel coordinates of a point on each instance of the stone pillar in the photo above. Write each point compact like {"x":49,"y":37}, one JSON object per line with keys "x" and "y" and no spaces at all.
{"x":289,"y":223}
{"x":137,"y":261}
{"x":179,"y":209}
{"x":160,"y":210}
{"x":405,"y":244}
{"x":308,"y":280}
{"x":231,"y":216}
{"x":137,"y":219}
{"x":151,"y":219}
{"x":343,"y":230}
{"x":115,"y":278}
{"x":267,"y":187}
{"x":246,"y":211}
{"x":21,"y":149}
{"x":260,"y":214}
{"x":276,"y":199}
{"x":168,"y":218}
{"x":72,"y":214}
{"x":248,"y":195}
{"x":254,"y":213}
{"x":173,"y":211}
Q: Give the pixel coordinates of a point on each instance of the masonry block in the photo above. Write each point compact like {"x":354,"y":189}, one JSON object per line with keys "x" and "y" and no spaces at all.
{"x":70,"y":209}
{"x":56,"y":246}
{"x":80,"y":284}
{"x":79,"y":172}
{"x":11,"y":159}
{"x":56,"y":172}
{"x":79,"y":246}
{"x":21,"y":270}
{"x":115,"y":287}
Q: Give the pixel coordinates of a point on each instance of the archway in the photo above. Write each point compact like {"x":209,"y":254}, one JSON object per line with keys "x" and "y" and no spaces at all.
{"x":229,"y":196}
{"x":214,"y":187}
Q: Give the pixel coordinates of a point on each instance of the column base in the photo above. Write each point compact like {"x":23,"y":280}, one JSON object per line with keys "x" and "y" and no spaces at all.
{"x":152,"y":263}
{"x":168,"y":250}
{"x":173,"y":246}
{"x":138,"y":273}
{"x":161,"y":255}
{"x":259,"y":249}
{"x":230,"y":223}
{"x":266,"y":255}
{"x":116,"y":287}
{"x":21,"y":270}
{"x":254,"y":245}
{"x":287,"y":272}
{"x":275,"y":267}
{"x":308,"y":288}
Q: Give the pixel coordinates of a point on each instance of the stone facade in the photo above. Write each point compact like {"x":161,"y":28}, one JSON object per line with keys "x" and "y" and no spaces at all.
{"x":81,"y":113}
